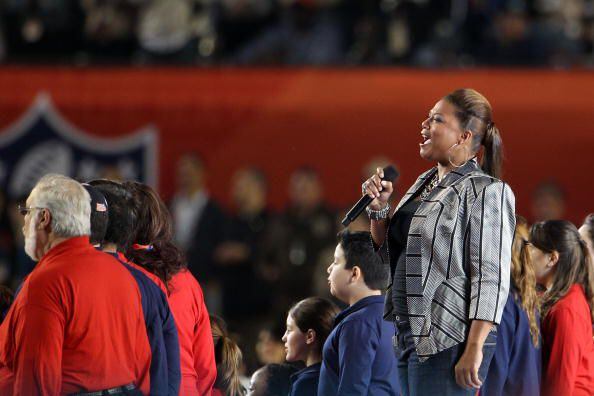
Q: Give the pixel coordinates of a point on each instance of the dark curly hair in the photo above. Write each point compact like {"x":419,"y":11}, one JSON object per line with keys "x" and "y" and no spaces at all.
{"x":153,"y":229}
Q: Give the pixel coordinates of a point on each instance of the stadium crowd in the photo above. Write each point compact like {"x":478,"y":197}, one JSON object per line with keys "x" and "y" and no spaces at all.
{"x":422,"y":33}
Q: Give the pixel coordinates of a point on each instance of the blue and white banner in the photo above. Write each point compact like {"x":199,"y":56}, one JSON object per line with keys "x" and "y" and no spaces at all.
{"x":42,"y":142}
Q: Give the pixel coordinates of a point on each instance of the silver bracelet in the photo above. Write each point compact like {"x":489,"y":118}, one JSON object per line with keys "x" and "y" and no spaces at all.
{"x":378,"y":214}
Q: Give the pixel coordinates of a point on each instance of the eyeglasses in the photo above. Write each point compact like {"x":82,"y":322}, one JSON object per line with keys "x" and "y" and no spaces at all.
{"x":23,"y":210}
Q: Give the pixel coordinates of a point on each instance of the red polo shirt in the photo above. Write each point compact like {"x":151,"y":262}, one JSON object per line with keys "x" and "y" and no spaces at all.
{"x":568,"y":349}
{"x":76,"y":326}
{"x":198,"y":366}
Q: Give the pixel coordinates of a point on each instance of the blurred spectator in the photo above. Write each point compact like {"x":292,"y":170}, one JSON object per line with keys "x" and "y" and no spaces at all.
{"x":270,"y":348}
{"x":109,"y":30}
{"x":36,"y":29}
{"x":455,"y":33}
{"x":179,"y":31}
{"x":239,"y":255}
{"x":240,"y":21}
{"x":199,"y":226}
{"x":298,"y":237}
{"x":548,"y":202}
{"x":271,"y":380}
{"x":308,"y":33}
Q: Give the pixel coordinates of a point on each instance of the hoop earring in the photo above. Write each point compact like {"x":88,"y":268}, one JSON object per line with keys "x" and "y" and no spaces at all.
{"x":450,"y":157}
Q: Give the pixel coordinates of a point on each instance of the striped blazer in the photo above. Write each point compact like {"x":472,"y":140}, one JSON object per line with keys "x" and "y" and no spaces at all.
{"x":458,"y":256}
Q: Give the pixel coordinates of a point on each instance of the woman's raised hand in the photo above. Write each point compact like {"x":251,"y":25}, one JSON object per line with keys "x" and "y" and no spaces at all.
{"x":377,"y":189}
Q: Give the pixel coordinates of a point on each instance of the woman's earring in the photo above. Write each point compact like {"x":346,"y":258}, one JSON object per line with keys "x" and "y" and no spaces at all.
{"x":450,"y":157}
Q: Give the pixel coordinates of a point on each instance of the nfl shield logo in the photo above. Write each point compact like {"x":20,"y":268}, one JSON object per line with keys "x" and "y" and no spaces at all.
{"x":42,"y":142}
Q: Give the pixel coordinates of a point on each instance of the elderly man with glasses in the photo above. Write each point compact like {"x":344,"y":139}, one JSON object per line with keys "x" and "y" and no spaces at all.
{"x":76,"y":326}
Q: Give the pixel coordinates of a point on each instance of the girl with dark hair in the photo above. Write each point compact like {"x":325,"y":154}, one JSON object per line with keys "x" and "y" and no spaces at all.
{"x":449,"y":248}
{"x":562,"y":266}
{"x":516,"y":365}
{"x":155,"y":251}
{"x":309,"y":323}
{"x":229,"y":359}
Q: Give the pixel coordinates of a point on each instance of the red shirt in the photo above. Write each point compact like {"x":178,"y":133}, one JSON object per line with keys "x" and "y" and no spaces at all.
{"x":198,"y":366}
{"x":149,"y":274}
{"x":568,"y":348}
{"x":77,"y":325}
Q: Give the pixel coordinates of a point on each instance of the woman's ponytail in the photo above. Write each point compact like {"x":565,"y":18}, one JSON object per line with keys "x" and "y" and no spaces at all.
{"x":492,"y":160}
{"x":588,"y":281}
{"x":228,"y":357}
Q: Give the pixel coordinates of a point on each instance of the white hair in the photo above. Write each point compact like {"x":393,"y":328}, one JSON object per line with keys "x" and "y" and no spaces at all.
{"x":67,"y":201}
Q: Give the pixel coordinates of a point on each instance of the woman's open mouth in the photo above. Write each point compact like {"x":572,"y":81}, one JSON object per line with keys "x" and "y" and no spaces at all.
{"x":426,"y":140}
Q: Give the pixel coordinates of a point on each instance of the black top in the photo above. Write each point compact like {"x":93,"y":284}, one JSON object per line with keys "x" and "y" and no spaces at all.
{"x":397,"y":239}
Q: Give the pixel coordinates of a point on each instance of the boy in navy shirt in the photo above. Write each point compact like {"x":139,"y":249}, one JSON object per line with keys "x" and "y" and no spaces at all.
{"x":358,"y":357}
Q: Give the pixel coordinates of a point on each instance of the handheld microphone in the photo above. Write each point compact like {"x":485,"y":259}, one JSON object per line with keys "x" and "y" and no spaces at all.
{"x":390,"y":174}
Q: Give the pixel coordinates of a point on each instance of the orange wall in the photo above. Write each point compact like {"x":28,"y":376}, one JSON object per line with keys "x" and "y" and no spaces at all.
{"x":333,"y":119}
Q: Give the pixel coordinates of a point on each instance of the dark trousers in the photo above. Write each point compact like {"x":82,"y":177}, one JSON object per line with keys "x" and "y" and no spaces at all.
{"x":435,"y":376}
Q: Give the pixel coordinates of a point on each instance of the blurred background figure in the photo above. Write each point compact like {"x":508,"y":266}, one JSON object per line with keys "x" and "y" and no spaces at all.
{"x":239,"y":256}
{"x":246,"y":295}
{"x":300,"y":32}
{"x":297,"y":238}
{"x":306,"y":33}
{"x":269,"y":347}
{"x":199,"y":226}
{"x":548,"y":202}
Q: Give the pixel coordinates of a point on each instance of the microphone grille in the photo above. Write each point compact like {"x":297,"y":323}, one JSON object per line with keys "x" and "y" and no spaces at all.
{"x":390,"y":173}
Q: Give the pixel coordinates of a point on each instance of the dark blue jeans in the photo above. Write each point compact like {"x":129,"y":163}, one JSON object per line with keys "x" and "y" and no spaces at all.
{"x":435,"y":376}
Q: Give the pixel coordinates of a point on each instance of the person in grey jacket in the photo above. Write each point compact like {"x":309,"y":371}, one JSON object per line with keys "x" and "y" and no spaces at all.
{"x":448,"y":244}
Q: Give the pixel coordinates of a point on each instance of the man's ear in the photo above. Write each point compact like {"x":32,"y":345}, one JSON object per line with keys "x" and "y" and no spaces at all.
{"x":45,"y":220}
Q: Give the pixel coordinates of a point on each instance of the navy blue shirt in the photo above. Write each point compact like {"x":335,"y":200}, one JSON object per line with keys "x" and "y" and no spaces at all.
{"x":165,"y":372}
{"x":305,"y":382}
{"x":516,"y":365}
{"x":358,"y":356}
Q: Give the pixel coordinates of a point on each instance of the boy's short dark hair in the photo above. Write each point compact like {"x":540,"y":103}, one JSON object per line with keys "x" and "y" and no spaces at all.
{"x":358,"y":251}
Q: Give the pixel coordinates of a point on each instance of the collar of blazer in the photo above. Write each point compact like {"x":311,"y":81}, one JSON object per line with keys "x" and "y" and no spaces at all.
{"x":450,"y":179}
